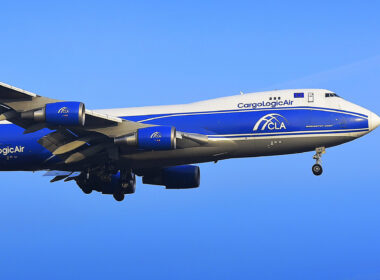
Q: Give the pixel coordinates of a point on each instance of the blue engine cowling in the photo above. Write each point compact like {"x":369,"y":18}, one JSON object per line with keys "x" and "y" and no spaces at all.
{"x":65,"y":113}
{"x":156,"y":138}
{"x":59,"y":113}
{"x":176,"y":177}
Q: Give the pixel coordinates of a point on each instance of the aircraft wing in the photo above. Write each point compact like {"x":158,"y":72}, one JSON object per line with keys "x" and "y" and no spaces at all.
{"x":18,"y":106}
{"x":20,"y":100}
{"x":84,"y":137}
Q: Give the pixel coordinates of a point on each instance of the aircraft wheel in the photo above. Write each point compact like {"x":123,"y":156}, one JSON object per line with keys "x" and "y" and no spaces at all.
{"x":87,"y":190}
{"x":317,"y":169}
{"x":84,"y":187}
{"x":118,"y":196}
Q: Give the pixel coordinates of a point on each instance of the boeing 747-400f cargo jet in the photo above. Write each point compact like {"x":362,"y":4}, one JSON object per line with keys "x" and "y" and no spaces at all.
{"x":103,"y":150}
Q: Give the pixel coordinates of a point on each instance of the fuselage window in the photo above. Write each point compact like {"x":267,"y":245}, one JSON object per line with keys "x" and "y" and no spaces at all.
{"x":275,"y":98}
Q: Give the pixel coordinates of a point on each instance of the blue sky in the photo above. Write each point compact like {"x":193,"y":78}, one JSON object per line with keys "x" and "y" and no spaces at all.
{"x":258,"y":218}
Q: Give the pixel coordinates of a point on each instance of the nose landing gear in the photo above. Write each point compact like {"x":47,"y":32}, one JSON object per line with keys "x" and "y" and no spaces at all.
{"x":317,"y":167}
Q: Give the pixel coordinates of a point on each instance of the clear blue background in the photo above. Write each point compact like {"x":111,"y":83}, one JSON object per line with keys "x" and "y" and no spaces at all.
{"x":259,"y":218}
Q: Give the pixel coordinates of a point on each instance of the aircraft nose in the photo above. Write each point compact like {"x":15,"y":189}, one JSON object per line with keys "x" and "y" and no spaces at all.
{"x":374,"y":121}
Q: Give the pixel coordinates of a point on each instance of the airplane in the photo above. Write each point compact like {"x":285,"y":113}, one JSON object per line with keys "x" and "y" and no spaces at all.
{"x":104,"y":150}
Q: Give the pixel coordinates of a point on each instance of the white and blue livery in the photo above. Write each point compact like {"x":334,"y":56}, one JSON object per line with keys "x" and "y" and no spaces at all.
{"x":103,"y":150}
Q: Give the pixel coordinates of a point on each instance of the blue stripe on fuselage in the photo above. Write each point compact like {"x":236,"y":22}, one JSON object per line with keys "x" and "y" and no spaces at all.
{"x":21,"y":151}
{"x":144,"y":118}
{"x":288,"y":134}
{"x":301,"y":119}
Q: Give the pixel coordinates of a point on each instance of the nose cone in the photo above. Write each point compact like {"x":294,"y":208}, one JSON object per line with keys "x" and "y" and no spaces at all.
{"x":374,"y":121}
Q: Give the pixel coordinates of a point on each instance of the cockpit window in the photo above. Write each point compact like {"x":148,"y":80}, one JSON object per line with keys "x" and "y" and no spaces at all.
{"x":331,"y":95}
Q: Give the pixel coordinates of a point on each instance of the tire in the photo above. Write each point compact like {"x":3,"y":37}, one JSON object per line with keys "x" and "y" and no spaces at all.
{"x":317,"y":169}
{"x":118,"y":196}
{"x":87,"y":190}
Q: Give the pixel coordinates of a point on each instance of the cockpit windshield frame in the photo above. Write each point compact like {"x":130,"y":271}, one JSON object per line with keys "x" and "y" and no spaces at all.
{"x":331,"y":94}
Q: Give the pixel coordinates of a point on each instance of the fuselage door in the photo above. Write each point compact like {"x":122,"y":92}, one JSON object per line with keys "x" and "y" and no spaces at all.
{"x":310,"y":97}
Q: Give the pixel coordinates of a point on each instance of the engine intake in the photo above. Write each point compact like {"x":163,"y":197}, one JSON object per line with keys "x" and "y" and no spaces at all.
{"x":59,"y":113}
{"x":176,"y":177}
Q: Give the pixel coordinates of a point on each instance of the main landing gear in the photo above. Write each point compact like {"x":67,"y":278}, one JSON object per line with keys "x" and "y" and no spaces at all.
{"x":107,"y":182}
{"x":317,"y":167}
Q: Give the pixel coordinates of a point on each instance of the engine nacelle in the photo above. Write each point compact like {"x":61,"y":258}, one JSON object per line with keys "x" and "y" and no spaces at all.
{"x":59,"y":113}
{"x":176,"y":177}
{"x":153,"y":138}
{"x":156,"y":138}
{"x":65,"y":113}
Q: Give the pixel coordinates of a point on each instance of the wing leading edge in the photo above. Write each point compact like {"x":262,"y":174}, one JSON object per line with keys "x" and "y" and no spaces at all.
{"x":93,"y":138}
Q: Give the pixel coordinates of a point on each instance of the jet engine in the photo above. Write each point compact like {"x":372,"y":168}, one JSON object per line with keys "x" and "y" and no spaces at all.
{"x":59,"y":113}
{"x":176,"y":177}
{"x":154,"y":138}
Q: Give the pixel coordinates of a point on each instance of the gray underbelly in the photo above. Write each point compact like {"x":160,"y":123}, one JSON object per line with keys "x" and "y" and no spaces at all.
{"x":219,"y":149}
{"x":287,"y":145}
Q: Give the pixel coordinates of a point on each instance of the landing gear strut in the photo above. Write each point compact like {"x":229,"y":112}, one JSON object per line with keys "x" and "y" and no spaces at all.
{"x":83,"y":182}
{"x":128,"y":181}
{"x":317,"y":167}
{"x":127,"y":185}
